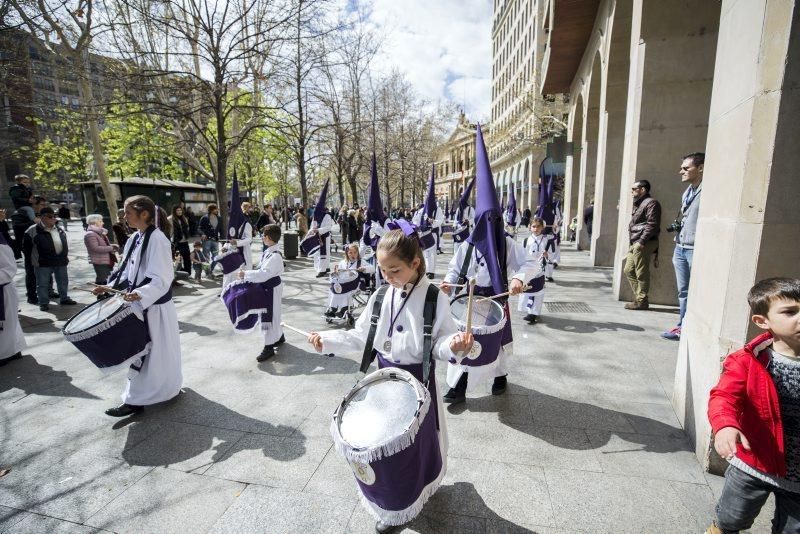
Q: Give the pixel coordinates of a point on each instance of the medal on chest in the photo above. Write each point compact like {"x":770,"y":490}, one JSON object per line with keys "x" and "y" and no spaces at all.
{"x":387,"y":346}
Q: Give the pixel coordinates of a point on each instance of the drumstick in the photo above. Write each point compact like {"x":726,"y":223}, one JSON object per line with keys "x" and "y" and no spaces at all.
{"x":507,"y":293}
{"x":109,"y":289}
{"x":301,"y":332}
{"x":470,"y":300}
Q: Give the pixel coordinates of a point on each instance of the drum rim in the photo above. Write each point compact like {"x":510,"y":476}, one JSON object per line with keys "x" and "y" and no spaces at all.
{"x":123,"y":306}
{"x":389,"y":373}
{"x":479,"y":330}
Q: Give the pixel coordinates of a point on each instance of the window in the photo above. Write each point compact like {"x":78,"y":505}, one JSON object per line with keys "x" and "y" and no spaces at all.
{"x":33,"y":52}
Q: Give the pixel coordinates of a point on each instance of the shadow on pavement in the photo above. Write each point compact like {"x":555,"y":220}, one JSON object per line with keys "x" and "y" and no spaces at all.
{"x":461,"y":497}
{"x":551,"y":412}
{"x":290,"y":360}
{"x":582,"y":284}
{"x":200,"y":330}
{"x":576,"y":326}
{"x":153,"y":441}
{"x":35,"y":378}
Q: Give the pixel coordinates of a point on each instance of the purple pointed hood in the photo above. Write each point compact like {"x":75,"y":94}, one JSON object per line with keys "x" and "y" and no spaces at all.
{"x":545,"y":209}
{"x":374,"y":204}
{"x":446,"y":207}
{"x":430,"y":200}
{"x":319,"y":209}
{"x":488,"y":237}
{"x":236,"y":218}
{"x":463,"y":202}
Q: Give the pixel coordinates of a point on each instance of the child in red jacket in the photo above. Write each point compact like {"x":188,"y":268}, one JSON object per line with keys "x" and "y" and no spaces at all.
{"x":755,"y":414}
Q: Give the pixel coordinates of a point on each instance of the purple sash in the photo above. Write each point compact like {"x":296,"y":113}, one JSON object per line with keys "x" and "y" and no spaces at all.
{"x":249,"y":303}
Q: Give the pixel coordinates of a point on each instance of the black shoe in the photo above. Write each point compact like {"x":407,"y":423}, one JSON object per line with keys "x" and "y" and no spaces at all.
{"x":53,"y":295}
{"x":340,"y":312}
{"x":458,"y":394}
{"x":10,"y":359}
{"x":330,"y":312}
{"x":123,"y":410}
{"x":531,"y":318}
{"x":429,"y":275}
{"x":44,"y":307}
{"x":281,"y":341}
{"x":68,"y":302}
{"x":499,"y":386}
{"x":33,"y":301}
{"x":383,"y":528}
{"x":266,"y":354}
{"x":550,"y":279}
{"x":323,"y":274}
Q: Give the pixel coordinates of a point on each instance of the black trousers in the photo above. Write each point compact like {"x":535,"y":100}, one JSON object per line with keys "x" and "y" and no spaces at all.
{"x":183,"y":250}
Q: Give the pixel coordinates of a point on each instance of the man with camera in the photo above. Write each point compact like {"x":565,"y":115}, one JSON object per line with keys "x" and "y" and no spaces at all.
{"x":684,"y":226}
{"x":643,"y":233}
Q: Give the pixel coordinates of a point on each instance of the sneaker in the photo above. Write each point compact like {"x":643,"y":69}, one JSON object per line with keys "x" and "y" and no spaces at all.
{"x":531,"y":318}
{"x":330,"y":312}
{"x":324,"y":273}
{"x":124,"y":410}
{"x":68,"y":302}
{"x":266,"y":354}
{"x":457,"y":394}
{"x":643,"y":305}
{"x":281,"y":341}
{"x":550,"y":279}
{"x":44,"y":307}
{"x":499,"y":386}
{"x":33,"y":301}
{"x":53,"y":295}
{"x":674,"y":333}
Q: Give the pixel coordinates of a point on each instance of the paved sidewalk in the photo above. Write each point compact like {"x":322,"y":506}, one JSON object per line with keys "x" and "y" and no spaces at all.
{"x":584,"y":440}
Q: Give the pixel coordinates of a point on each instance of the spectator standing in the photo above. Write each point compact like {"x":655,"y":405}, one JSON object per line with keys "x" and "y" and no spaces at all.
{"x":47,"y":244}
{"x":121,"y":230}
{"x":64,"y":213}
{"x":588,"y":217}
{"x":341,"y":220}
{"x":686,"y":225}
{"x":21,"y":191}
{"x":210,"y":232}
{"x":526,"y":218}
{"x":101,"y":252}
{"x":192,"y":218}
{"x":24,"y":218}
{"x":302,"y":222}
{"x":643,"y":233}
{"x":180,"y":237}
{"x":266,"y":217}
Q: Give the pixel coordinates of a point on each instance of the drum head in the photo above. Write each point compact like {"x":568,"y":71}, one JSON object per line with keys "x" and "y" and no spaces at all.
{"x":93,"y":315}
{"x":485,"y":312}
{"x":378,"y":412}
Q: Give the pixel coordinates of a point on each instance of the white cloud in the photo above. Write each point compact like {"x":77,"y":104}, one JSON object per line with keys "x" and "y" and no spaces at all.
{"x":443,"y":46}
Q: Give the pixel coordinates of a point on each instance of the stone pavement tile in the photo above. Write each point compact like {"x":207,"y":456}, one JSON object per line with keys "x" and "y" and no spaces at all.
{"x":272,"y":460}
{"x":497,"y":491}
{"x":10,"y":517}
{"x":657,"y":419}
{"x":28,"y":463}
{"x":600,"y":502}
{"x":74,"y":488}
{"x":333,"y":477}
{"x":647,"y":456}
{"x":507,"y":408}
{"x":40,"y":524}
{"x":279,"y":511}
{"x":274,"y":418}
{"x":427,"y":522}
{"x":548,"y":410}
{"x":168,"y":501}
{"x":504,"y":527}
{"x":318,"y":423}
{"x":184,"y":447}
{"x":528,"y":444}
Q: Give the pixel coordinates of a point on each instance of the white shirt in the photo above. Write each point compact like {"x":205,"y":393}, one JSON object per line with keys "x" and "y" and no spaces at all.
{"x":517,"y":261}
{"x":56,"y":239}
{"x":270,"y":266}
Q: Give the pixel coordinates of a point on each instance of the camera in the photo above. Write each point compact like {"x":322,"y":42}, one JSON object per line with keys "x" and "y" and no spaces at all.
{"x":676,"y":226}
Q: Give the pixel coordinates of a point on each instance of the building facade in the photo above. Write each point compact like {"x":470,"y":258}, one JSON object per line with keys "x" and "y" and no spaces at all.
{"x":455,"y":161}
{"x":523,"y":120}
{"x":650,"y":82}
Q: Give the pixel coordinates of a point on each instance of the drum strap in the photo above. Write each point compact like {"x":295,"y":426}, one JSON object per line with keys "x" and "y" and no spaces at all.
{"x":462,"y":276}
{"x":122,"y":266}
{"x":429,"y":315}
{"x":369,"y":353}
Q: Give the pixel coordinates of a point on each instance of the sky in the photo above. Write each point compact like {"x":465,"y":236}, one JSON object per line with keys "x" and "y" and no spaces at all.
{"x":443,"y":46}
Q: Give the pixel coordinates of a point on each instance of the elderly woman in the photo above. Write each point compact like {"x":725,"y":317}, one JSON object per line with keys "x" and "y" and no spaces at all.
{"x":102,"y":254}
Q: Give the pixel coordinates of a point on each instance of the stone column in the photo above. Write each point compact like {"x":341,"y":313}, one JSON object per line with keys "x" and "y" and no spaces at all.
{"x":749,"y":224}
{"x":669,"y":93}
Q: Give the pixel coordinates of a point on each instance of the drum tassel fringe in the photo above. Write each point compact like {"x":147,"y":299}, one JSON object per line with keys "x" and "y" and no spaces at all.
{"x":102,"y":327}
{"x":401,"y":517}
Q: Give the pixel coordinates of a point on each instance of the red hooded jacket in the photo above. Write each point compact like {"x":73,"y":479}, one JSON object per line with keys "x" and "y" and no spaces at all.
{"x":746,"y":398}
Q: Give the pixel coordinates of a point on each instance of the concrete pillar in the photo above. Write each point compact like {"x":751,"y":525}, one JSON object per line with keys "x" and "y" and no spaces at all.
{"x":749,"y":225}
{"x":529,"y":180}
{"x":591,"y":140}
{"x":573,"y":163}
{"x":673,"y":45}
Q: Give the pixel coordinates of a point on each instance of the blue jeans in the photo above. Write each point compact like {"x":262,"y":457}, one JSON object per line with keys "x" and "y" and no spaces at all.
{"x":43,"y":275}
{"x":211,"y":250}
{"x":743,"y":496}
{"x":682,"y":260}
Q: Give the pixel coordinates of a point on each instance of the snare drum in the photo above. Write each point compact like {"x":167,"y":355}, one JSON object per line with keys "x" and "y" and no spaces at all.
{"x":311,"y":244}
{"x":249,"y":304}
{"x":535,"y":284}
{"x":427,"y":239}
{"x":488,"y":323}
{"x":343,"y":282}
{"x":394,"y":453}
{"x":461,"y":233}
{"x":230,"y":260}
{"x":109,"y":333}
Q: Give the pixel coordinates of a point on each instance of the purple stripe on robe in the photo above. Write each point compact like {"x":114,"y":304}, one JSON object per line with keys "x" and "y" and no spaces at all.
{"x":401,"y":477}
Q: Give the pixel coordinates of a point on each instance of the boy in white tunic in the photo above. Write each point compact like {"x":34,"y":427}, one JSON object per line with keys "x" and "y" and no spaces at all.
{"x":268,"y":272}
{"x":321,"y":223}
{"x":148,"y":276}
{"x":538,"y":246}
{"x":12,"y":340}
{"x":398,"y":338}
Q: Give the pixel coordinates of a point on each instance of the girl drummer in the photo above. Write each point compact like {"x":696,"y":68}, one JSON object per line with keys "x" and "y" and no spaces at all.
{"x":146,"y":273}
{"x":398,"y":339}
{"x":340,"y":302}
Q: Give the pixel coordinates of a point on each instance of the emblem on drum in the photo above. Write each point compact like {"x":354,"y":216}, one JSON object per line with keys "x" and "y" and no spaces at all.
{"x":363,"y":472}
{"x":337,"y":287}
{"x":475,"y":351}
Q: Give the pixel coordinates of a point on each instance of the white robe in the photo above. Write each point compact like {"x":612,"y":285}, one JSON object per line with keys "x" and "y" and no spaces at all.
{"x":379,"y":231}
{"x":535,"y":247}
{"x":342,"y":300}
{"x":160,"y":377}
{"x":12,"y":340}
{"x":430,"y":253}
{"x":245,"y":241}
{"x":406,"y":345}
{"x":524,"y":269}
{"x":270,"y":266}
{"x":322,"y":262}
{"x":556,"y":256}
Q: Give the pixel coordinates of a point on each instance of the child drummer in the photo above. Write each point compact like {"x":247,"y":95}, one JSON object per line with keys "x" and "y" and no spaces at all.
{"x":340,"y":302}
{"x":270,"y":268}
{"x":538,"y":246}
{"x":398,"y":341}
